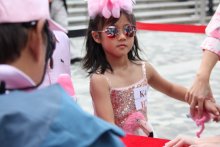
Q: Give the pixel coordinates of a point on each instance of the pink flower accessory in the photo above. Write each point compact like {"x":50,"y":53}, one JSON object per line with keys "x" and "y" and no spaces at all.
{"x":108,"y":8}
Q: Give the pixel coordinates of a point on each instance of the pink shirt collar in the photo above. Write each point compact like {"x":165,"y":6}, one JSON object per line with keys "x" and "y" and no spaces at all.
{"x":14,"y":78}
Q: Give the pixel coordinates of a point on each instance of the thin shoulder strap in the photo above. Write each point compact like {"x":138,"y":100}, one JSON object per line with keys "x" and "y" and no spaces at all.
{"x":144,"y":69}
{"x":108,"y":81}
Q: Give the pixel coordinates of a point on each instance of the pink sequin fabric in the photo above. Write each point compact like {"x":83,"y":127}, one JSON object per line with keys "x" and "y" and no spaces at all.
{"x":123,"y":101}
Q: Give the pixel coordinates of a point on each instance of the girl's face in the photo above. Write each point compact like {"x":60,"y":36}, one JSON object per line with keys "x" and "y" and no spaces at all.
{"x":116,"y":45}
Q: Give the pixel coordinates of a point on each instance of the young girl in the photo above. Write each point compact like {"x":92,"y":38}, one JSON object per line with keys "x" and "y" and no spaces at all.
{"x":119,"y":77}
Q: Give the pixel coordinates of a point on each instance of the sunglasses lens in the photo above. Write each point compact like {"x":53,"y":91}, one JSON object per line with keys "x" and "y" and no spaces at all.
{"x":129,"y":30}
{"x":111,"y":31}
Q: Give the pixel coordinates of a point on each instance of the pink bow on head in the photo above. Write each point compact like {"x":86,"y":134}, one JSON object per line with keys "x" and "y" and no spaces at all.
{"x":108,"y":8}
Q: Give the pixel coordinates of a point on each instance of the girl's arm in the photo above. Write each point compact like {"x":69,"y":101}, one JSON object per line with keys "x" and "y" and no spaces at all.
{"x":176,"y":91}
{"x":159,"y":83}
{"x":100,"y":93}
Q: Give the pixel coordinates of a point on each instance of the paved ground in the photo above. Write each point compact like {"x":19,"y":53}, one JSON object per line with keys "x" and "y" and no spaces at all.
{"x":176,"y":56}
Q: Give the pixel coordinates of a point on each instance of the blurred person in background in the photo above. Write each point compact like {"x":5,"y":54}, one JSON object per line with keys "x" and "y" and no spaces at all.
{"x":59,"y":12}
{"x":210,"y":11}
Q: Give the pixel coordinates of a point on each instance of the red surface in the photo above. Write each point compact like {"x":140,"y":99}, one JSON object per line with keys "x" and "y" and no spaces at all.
{"x":141,"y":141}
{"x":186,"y":28}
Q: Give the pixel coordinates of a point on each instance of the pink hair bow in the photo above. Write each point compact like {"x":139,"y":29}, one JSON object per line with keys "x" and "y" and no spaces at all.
{"x":108,"y":8}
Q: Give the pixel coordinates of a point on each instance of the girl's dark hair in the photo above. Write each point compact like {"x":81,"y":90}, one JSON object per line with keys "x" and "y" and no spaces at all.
{"x":95,"y":60}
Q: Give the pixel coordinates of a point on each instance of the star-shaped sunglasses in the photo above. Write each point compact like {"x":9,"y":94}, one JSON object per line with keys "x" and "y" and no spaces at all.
{"x":112,"y":31}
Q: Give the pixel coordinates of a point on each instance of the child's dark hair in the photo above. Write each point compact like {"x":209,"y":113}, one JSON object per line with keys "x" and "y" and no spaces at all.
{"x":95,"y":60}
{"x":14,"y":37}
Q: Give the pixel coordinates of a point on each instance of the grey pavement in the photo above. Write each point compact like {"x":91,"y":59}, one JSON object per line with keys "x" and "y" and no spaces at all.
{"x":176,"y":56}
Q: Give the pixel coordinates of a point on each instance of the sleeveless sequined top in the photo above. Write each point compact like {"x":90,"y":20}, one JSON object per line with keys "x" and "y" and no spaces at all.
{"x":123,"y":100}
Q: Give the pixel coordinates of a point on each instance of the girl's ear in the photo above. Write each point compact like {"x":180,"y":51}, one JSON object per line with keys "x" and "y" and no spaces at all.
{"x":96,"y":37}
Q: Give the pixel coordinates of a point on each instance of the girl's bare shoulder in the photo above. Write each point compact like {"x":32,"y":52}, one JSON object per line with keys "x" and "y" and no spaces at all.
{"x":96,"y":77}
{"x":99,"y":80}
{"x":150,"y":70}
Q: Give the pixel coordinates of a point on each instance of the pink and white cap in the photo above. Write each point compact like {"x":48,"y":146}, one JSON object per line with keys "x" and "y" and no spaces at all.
{"x":18,"y":11}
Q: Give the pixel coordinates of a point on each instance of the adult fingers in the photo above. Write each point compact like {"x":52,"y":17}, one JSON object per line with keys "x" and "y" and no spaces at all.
{"x":210,"y":96}
{"x":200,"y":107}
{"x":181,"y":143}
{"x":188,"y":97}
{"x":215,"y":111}
{"x":172,"y":142}
{"x":217,"y":116}
{"x":205,"y":145}
{"x":193,"y":108}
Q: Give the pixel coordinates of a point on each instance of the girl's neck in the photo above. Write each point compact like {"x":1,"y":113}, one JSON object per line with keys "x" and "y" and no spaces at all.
{"x":120,"y":64}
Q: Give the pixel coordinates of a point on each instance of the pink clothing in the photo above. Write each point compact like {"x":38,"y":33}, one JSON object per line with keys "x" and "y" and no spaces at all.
{"x":65,"y":81}
{"x":61,"y":59}
{"x":61,"y":65}
{"x":14,"y":78}
{"x":128,"y":100}
{"x":212,"y":41}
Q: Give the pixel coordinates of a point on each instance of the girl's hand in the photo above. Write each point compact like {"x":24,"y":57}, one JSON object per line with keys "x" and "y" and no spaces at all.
{"x":181,"y":141}
{"x":213,"y":109}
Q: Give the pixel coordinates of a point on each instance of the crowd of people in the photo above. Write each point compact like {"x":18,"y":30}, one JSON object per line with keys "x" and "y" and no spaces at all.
{"x":35,"y":56}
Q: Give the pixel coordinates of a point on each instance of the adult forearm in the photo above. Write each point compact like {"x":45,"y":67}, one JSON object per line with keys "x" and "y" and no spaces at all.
{"x":214,"y":139}
{"x":209,"y":60}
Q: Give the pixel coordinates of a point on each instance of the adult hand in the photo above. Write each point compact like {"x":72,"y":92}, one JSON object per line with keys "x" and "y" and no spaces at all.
{"x":181,"y":141}
{"x":200,"y":89}
{"x":187,"y":141}
{"x":206,"y":145}
{"x":197,"y":94}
